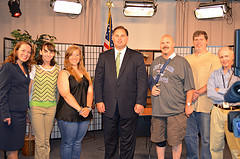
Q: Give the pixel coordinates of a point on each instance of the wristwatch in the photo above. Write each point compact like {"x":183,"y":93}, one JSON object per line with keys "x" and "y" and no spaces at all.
{"x":189,"y":104}
{"x":89,"y":108}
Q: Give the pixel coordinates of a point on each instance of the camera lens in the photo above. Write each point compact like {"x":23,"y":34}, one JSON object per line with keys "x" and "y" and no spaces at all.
{"x":237,"y":89}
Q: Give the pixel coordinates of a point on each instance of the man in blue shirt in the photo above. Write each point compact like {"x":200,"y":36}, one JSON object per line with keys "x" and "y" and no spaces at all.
{"x":219,"y":82}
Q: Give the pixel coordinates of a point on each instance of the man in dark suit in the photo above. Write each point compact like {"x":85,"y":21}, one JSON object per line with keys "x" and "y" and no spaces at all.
{"x":120,"y":86}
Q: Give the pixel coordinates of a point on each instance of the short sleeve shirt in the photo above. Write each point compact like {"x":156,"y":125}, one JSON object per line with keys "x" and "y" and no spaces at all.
{"x":202,"y":66}
{"x":177,"y":79}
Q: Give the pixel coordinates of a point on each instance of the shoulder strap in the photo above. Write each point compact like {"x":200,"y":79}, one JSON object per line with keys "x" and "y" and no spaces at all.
{"x":152,"y":81}
{"x":67,"y":73}
{"x":162,"y":70}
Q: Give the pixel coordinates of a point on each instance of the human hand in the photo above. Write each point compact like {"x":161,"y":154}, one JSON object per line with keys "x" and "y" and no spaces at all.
{"x":7,"y":120}
{"x":84,"y":112}
{"x":188,"y":110}
{"x":101,"y":107}
{"x":195,"y":96}
{"x":138,"y":108}
{"x":155,"y":90}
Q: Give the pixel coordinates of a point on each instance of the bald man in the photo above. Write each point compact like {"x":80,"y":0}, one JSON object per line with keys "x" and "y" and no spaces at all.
{"x":171,"y":95}
{"x":219,"y":82}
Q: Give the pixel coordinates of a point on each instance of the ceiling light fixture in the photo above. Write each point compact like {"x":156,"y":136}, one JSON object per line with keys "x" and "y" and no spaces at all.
{"x":212,"y":10}
{"x":61,"y":6}
{"x":139,"y":8}
{"x":14,"y":8}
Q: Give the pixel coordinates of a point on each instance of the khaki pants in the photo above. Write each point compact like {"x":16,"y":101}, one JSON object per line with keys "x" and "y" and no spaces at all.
{"x":218,"y":129}
{"x":42,"y":119}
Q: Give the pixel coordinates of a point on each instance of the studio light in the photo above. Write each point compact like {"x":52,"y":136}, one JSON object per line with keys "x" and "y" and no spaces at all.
{"x":139,"y":8}
{"x":67,"y":7}
{"x":14,"y":8}
{"x":211,"y":10}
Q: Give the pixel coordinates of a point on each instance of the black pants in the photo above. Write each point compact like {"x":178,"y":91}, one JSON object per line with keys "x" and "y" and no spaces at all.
{"x":116,"y":127}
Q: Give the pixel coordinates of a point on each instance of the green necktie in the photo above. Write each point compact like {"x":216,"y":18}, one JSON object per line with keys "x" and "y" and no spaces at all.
{"x":118,"y":63}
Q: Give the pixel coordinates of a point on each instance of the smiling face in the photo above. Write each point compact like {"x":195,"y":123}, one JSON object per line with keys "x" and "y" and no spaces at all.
{"x":23,"y":53}
{"x":167,"y":45}
{"x":226,"y":57}
{"x":200,"y":43}
{"x":74,"y":58}
{"x":47,"y":55}
{"x":120,"y":39}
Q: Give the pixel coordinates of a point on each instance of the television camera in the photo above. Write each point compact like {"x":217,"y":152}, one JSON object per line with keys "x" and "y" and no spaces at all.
{"x":233,"y":94}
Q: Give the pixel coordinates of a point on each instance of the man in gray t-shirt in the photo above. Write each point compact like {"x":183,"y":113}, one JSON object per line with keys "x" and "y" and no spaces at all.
{"x":171,"y":98}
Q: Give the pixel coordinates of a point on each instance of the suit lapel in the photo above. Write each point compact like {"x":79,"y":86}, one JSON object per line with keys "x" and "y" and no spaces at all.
{"x":124,"y":62}
{"x":21,"y":72}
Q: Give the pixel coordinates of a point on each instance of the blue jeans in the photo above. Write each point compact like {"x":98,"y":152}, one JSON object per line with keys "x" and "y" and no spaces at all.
{"x":72,"y":135}
{"x":198,"y":123}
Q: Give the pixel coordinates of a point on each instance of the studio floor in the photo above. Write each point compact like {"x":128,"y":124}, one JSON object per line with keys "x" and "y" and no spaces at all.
{"x":94,"y":149}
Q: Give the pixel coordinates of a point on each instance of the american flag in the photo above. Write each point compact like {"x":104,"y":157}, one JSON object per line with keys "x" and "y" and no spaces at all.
{"x":108,"y":43}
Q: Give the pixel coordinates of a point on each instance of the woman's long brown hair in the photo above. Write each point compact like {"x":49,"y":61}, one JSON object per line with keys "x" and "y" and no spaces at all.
{"x":81,"y":67}
{"x":13,"y":57}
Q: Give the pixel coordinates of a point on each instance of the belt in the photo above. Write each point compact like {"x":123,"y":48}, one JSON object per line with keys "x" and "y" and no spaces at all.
{"x":230,"y":107}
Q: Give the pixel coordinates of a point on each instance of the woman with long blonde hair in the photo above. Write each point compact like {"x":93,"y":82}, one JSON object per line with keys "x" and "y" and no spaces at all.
{"x":74,"y":106}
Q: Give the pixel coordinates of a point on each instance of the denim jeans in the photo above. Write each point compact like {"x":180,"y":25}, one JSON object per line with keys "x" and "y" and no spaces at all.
{"x":72,"y":134}
{"x":198,"y":122}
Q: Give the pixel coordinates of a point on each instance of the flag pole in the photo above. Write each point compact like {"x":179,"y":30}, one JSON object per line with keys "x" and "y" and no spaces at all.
{"x":108,"y":44}
{"x":109,"y":5}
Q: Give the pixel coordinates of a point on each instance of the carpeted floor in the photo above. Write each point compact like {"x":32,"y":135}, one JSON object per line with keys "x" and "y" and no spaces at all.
{"x":94,"y":149}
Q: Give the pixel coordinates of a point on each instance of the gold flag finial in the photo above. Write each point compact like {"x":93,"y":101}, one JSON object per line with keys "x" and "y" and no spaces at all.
{"x":110,"y":4}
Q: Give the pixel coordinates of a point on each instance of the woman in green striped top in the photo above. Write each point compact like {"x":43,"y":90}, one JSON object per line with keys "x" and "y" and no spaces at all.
{"x":43,"y":99}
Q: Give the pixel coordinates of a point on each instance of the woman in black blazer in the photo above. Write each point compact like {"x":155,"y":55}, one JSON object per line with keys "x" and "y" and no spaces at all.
{"x":14,"y":98}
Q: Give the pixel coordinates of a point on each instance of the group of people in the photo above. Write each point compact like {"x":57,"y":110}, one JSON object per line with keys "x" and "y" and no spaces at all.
{"x":32,"y":84}
{"x":187,"y":99}
{"x":184,"y":92}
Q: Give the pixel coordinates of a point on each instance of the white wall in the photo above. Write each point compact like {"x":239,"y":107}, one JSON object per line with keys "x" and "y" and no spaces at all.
{"x":144,"y":33}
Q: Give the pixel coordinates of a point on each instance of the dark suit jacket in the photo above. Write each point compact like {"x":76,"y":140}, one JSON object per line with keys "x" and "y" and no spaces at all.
{"x":14,"y":88}
{"x":129,"y":89}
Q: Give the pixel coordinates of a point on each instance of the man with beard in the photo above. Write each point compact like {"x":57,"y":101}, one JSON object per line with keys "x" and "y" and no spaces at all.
{"x":203,"y":63}
{"x":172,"y":85}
